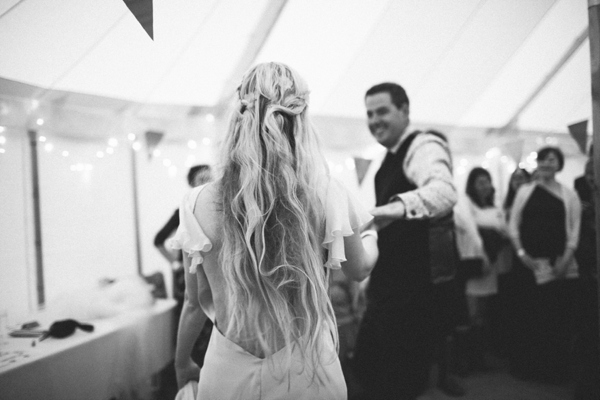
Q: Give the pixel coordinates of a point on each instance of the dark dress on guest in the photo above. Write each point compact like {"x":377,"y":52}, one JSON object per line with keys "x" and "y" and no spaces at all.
{"x":544,"y":313}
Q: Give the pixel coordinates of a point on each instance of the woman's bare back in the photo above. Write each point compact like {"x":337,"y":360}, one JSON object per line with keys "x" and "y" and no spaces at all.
{"x":209,"y":215}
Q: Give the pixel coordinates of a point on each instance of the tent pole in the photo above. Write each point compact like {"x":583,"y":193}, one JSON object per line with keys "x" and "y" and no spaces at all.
{"x":37,"y":221}
{"x":594,"y":32}
{"x":136,"y":213}
{"x":5,"y":13}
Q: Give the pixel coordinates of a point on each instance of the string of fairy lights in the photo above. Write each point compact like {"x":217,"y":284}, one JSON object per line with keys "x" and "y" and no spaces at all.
{"x":83,"y":160}
{"x":493,"y":157}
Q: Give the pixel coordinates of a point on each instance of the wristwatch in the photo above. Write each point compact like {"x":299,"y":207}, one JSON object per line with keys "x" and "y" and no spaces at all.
{"x":520,"y":253}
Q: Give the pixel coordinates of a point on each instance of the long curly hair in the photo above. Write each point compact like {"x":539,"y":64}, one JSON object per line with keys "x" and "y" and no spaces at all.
{"x":272,"y":198}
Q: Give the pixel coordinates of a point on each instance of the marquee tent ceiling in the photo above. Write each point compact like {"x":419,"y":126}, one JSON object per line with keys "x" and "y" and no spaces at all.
{"x":467,"y":63}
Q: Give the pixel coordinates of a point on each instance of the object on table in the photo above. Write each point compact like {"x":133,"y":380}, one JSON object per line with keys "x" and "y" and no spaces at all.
{"x":64,"y":328}
{"x":26,"y":333}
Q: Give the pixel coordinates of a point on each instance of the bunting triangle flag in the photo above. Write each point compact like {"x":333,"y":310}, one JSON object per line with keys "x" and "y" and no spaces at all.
{"x":362,"y":165}
{"x":579,"y":132}
{"x":513,"y":149}
{"x":152,"y":140}
{"x":142,"y":11}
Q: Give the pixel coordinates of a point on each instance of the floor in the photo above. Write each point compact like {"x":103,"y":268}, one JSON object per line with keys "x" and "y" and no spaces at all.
{"x":498,"y":384}
{"x":495,"y":384}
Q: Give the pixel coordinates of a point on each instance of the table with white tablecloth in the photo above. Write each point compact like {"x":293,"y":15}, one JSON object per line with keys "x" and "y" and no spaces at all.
{"x":117,"y":360}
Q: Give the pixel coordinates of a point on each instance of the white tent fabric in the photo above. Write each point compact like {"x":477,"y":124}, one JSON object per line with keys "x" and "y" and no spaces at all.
{"x":468,"y":63}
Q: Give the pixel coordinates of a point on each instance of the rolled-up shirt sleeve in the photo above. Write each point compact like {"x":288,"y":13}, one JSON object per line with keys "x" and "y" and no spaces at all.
{"x":429,"y":166}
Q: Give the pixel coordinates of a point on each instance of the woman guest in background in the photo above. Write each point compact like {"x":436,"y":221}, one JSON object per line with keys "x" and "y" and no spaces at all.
{"x":544,"y":228}
{"x":517,"y":179}
{"x":491,"y":226}
{"x":259,"y":243}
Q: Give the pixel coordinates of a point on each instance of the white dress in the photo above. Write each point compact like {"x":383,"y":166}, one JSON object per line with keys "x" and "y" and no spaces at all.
{"x":229,"y":371}
{"x":493,"y":218}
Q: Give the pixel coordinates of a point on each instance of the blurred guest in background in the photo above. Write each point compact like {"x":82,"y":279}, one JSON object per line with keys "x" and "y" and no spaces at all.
{"x":544,"y":227}
{"x":491,"y":225}
{"x":583,"y":184}
{"x":519,"y":177}
{"x":587,"y":346}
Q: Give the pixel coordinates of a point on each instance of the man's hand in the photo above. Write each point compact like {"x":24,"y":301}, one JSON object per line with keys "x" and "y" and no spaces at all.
{"x":562,"y":263}
{"x":529,"y":262}
{"x":386,"y":214}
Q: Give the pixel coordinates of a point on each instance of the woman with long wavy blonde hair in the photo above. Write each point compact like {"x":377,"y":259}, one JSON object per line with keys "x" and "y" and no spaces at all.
{"x":260,"y":241}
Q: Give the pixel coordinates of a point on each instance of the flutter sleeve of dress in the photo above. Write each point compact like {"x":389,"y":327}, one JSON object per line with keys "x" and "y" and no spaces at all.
{"x":190,"y":237}
{"x":344,"y":215}
{"x":192,"y":241}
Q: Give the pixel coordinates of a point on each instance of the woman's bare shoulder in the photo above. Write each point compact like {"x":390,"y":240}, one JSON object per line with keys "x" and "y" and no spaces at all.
{"x":208,"y":211}
{"x":208,"y":195}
